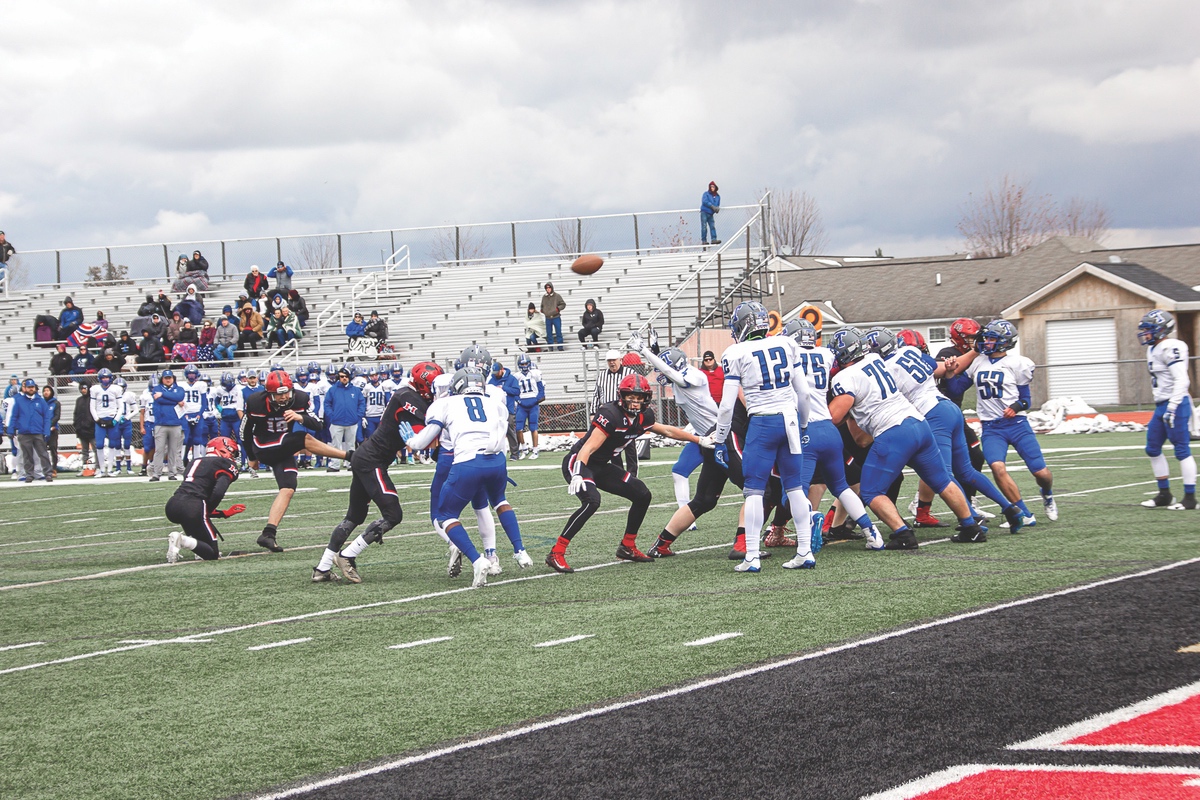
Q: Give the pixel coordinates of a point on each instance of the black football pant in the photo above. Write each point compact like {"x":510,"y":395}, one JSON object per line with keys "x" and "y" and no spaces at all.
{"x":368,"y":485}
{"x":192,"y":515}
{"x":614,"y":480}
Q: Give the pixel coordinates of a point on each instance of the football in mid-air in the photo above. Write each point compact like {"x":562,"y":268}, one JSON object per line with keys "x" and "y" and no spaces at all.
{"x":586,"y":264}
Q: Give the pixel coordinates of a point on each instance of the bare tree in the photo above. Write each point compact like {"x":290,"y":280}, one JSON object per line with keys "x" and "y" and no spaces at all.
{"x":16,"y":273}
{"x":318,"y":254}
{"x":107,"y":274}
{"x":1007,"y":219}
{"x":796,"y":224}
{"x":458,"y":244}
{"x":1085,"y":218}
{"x":672,"y":239}
{"x":569,"y":237}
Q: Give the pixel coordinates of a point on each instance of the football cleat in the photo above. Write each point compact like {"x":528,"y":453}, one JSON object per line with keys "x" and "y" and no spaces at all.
{"x":454,"y":568}
{"x":748,"y":565}
{"x":533,"y":454}
{"x":661,"y":551}
{"x":1051,"y":506}
{"x":692,"y":527}
{"x":777,"y":537}
{"x":738,"y":555}
{"x":927,"y":520}
{"x":817,"y":540}
{"x":632,"y":554}
{"x":912,"y":507}
{"x":972,"y":535}
{"x":325,"y":576}
{"x":348,"y":567}
{"x":1163,"y":499}
{"x":1188,"y":503}
{"x":904,"y":540}
{"x":494,"y":567}
{"x":980,"y":514}
{"x":558,"y":562}
{"x":523,"y":559}
{"x":173,"y":546}
{"x":875,"y":540}
{"x":801,"y":561}
{"x":267,"y":540}
{"x":1016,"y":520}
{"x":1026,"y":522}
{"x":481,"y":566}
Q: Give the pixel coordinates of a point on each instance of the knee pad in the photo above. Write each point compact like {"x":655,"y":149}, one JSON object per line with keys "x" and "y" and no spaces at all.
{"x":376,"y":530}
{"x":642,"y":496}
{"x":341,"y":533}
{"x":1156,"y":451}
{"x":701,"y":504}
{"x":1183,"y":450}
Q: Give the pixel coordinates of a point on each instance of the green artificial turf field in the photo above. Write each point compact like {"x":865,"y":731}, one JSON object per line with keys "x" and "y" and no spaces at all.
{"x":139,"y":679}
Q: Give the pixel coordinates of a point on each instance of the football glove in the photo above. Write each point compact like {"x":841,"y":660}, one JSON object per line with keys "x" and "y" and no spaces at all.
{"x":233,"y":510}
{"x":1169,"y":417}
{"x":653,"y":341}
{"x":635,"y":343}
{"x":406,"y":430}
{"x":721,"y":454}
{"x":707,"y":442}
{"x":577,"y":485}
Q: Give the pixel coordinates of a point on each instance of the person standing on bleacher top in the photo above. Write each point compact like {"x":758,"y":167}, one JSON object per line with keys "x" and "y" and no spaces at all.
{"x":710,"y":204}
{"x":552,"y":308}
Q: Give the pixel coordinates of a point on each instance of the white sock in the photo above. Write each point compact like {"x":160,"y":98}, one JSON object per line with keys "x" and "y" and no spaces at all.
{"x":1187,"y":468}
{"x":357,"y":546}
{"x":852,"y":504}
{"x":683,"y":490}
{"x":326,"y":560}
{"x":802,"y":516}
{"x":754,"y":523}
{"x":187,"y":542}
{"x":487,"y":527}
{"x":1159,"y":467}
{"x":441,"y":532}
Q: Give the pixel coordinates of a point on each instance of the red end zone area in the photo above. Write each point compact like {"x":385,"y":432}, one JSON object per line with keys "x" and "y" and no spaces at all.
{"x":976,"y":782}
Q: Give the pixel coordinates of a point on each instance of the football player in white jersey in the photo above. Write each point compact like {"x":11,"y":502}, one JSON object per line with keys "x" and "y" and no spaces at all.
{"x":130,"y":404}
{"x":865,"y":389}
{"x":822,"y":440}
{"x":1167,"y":360}
{"x":231,"y":404}
{"x":478,"y":429}
{"x":1002,"y":395}
{"x":146,"y":421}
{"x":914,"y":373}
{"x":764,"y":368}
{"x":533,"y":392}
{"x":195,"y":397}
{"x":377,"y":399}
{"x":106,"y":406}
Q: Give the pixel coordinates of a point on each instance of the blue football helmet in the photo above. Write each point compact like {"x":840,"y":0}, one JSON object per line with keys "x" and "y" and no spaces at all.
{"x":397,"y":372}
{"x":848,"y":345}
{"x":192,"y":373}
{"x":749,"y":321}
{"x":998,"y":336}
{"x":152,"y":380}
{"x":301,"y":376}
{"x":105,"y":377}
{"x":373,"y":376}
{"x":676,"y":360}
{"x":277,"y":367}
{"x":119,"y":381}
{"x":881,"y":340}
{"x":524,"y":363}
{"x":468,"y":380}
{"x":312,"y":367}
{"x":1155,"y":326}
{"x":241,"y":376}
{"x":475,"y":356}
{"x":228,"y":381}
{"x":262,"y":375}
{"x":803,"y":331}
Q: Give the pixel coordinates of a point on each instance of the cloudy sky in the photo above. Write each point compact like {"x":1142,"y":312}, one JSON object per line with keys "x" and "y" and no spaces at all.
{"x":133,"y":122}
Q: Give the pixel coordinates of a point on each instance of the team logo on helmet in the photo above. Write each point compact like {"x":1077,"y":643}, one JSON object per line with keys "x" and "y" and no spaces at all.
{"x":279,"y":386}
{"x":1155,"y":326}
{"x":524,"y":364}
{"x":475,"y":356}
{"x":998,"y":336}
{"x":803,"y":331}
{"x":422,"y":375}
{"x":963,"y":332}
{"x":227,"y":380}
{"x":674,"y":358}
{"x":191,"y":372}
{"x":105,"y":377}
{"x":222,"y":446}
{"x":848,"y":345}
{"x":881,"y":341}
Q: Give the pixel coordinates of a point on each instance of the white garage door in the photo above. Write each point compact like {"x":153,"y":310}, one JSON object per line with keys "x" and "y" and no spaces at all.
{"x":1091,"y":344}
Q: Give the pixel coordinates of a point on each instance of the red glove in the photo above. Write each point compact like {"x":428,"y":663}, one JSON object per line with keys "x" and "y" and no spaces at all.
{"x":236,"y":508}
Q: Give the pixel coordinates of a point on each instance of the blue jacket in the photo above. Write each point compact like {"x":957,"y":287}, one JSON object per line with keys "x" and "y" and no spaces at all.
{"x":30,"y":415}
{"x":275,"y":270}
{"x":70,"y":318}
{"x":190,"y":309}
{"x":166,"y":408}
{"x":709,"y":202}
{"x":345,"y":405}
{"x":511,"y":388}
{"x":356,"y":329}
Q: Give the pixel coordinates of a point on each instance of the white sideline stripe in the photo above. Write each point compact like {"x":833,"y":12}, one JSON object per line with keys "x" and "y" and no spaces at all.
{"x":704,"y":684}
{"x":248,"y":492}
{"x":577,"y":638}
{"x":20,"y":646}
{"x":952,"y":775}
{"x":1058,"y":738}
{"x":161,"y":641}
{"x":100,"y":653}
{"x":720,"y":637}
{"x":420,"y":642}
{"x":146,"y":519}
{"x":284,"y":643}
{"x":82,"y":519}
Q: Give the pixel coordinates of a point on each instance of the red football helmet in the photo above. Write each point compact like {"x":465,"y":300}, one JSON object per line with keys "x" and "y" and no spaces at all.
{"x":422,"y":375}
{"x":913,"y":339}
{"x":634,"y":388}
{"x":279,"y":387}
{"x":962,"y":334}
{"x":224,"y":447}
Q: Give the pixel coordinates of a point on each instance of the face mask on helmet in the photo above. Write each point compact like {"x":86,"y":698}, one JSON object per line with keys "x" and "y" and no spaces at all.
{"x":749,"y":321}
{"x":634,"y":391}
{"x":1155,"y":326}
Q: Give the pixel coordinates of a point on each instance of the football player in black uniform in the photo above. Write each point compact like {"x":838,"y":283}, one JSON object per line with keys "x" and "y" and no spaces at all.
{"x":194,"y":504}
{"x":588,"y":468}
{"x":370,"y":482}
{"x":269,"y":439}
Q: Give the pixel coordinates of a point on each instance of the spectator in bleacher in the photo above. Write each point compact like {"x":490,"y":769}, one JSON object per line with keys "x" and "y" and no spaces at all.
{"x":225,"y":340}
{"x":181,"y":266}
{"x":282,"y":275}
{"x":710,"y":204}
{"x":198,"y":263}
{"x":227,"y":313}
{"x":552,"y":307}
{"x":377,"y":329}
{"x":196,"y":274}
{"x":250,"y":326}
{"x":535,"y":326}
{"x":100,"y":325}
{"x":69,"y":319}
{"x":298,"y":306}
{"x":84,"y":362}
{"x":256,"y":284}
{"x":186,"y":343}
{"x":173,"y":329}
{"x":61,"y":363}
{"x":7,"y":251}
{"x":149,"y":307}
{"x":127,"y":346}
{"x":284,"y":327}
{"x":164,"y":304}
{"x":85,"y":425}
{"x":716,"y":376}
{"x":150,"y":349}
{"x":356,"y":328}
{"x":55,"y":415}
{"x":157,"y":326}
{"x":191,"y":307}
{"x":592,"y":322}
{"x":111,"y":359}
{"x":206,"y":352}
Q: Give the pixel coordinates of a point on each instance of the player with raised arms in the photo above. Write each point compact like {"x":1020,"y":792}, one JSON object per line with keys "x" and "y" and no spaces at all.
{"x":1167,"y":361}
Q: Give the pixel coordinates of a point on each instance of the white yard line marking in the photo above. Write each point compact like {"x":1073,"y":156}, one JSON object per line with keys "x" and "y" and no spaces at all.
{"x":1110,"y":466}
{"x":720,"y":637}
{"x":566,"y":719}
{"x":555,"y":642}
{"x":162,"y":641}
{"x":407,"y":645}
{"x":21,"y":646}
{"x":280,"y":644}
{"x":74,"y":521}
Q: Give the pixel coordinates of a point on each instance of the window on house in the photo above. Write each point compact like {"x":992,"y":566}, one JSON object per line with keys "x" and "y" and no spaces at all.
{"x":938,"y":334}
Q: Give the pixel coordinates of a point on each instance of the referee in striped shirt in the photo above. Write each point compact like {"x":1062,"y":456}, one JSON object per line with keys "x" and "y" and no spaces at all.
{"x":606,"y":392}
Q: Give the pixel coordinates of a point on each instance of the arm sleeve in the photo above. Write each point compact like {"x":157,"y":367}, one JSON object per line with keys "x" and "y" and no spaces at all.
{"x":1023,"y":399}
{"x":427,"y":436}
{"x":729,"y":395}
{"x":801,"y":389}
{"x":541,"y":392}
{"x":673,"y":375}
{"x":218,"y":492}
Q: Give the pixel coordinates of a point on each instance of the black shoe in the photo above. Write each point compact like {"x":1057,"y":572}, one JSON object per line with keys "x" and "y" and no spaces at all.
{"x":905,"y":540}
{"x":268,"y":541}
{"x":1188,"y":502}
{"x":1161,"y":500}
{"x":716,"y":241}
{"x":972,"y":535}
{"x":172,"y":477}
{"x":154,"y":478}
{"x":843,"y":533}
{"x":632,"y":554}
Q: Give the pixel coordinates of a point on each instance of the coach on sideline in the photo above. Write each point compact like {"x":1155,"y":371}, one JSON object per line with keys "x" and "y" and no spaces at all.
{"x":30,"y":426}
